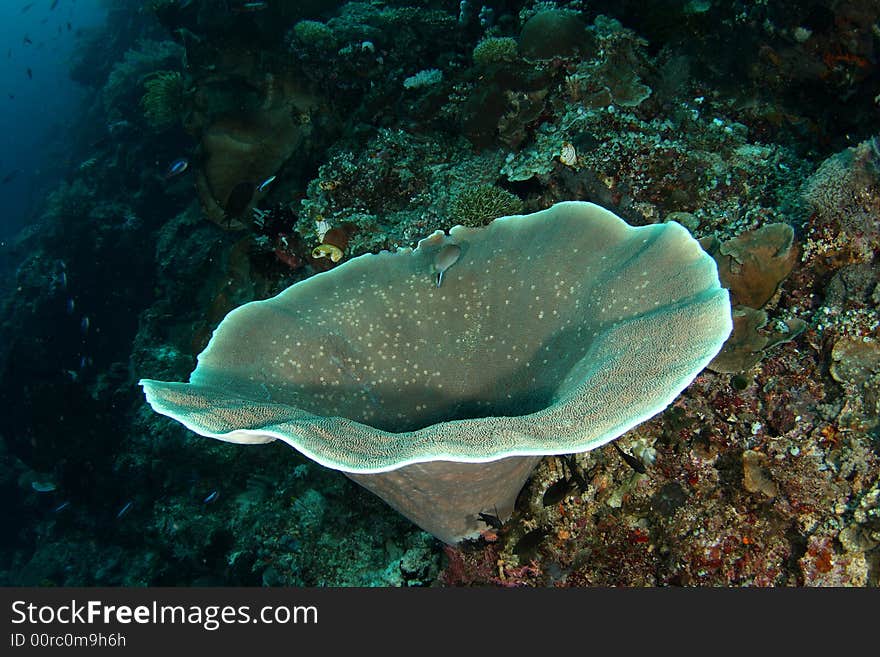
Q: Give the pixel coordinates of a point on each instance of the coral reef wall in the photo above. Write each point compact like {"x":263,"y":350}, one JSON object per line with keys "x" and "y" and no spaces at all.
{"x":228,"y":152}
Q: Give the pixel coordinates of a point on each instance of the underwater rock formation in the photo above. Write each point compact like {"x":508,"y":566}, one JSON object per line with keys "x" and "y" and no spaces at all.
{"x":442,"y":399}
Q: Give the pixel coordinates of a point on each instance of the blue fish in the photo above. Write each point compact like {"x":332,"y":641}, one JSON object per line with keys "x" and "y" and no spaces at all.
{"x":61,"y":507}
{"x":213,"y":496}
{"x":263,"y":185}
{"x":248,"y":7}
{"x":84,"y":324}
{"x":125,"y":509}
{"x":71,"y":305}
{"x":45,"y":486}
{"x":177,"y":167}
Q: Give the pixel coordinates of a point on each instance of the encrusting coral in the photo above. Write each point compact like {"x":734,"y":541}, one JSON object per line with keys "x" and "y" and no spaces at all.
{"x":752,"y":266}
{"x":844,"y":197}
{"x":554,"y":33}
{"x":442,"y":398}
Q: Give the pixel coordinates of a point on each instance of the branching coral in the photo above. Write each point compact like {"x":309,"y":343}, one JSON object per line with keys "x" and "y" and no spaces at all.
{"x":163,"y":101}
{"x":495,"y":50}
{"x":125,"y":82}
{"x":314,"y":36}
{"x":477,"y":206}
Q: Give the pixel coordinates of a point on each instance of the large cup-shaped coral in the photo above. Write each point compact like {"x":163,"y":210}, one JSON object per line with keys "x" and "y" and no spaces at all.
{"x":238,"y":152}
{"x":547,"y":333}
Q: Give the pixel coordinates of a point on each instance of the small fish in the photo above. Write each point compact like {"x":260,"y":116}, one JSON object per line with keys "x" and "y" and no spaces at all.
{"x":100,"y":142}
{"x":527,"y":545}
{"x":575,"y":474}
{"x":45,"y":486}
{"x":557,"y":491}
{"x":492,"y":521}
{"x":30,"y":74}
{"x":53,"y":5}
{"x":263,"y":185}
{"x":68,"y":26}
{"x":125,"y":509}
{"x":71,"y":305}
{"x":61,"y":507}
{"x":26,"y":7}
{"x":238,"y":201}
{"x":177,"y":167}
{"x":9,"y":177}
{"x":11,"y":96}
{"x":210,"y":498}
{"x":84,"y":362}
{"x":62,"y":280}
{"x":27,"y":40}
{"x":248,"y":7}
{"x":84,"y":324}
{"x":631,"y":460}
{"x":445,"y":258}
{"x":118,"y":126}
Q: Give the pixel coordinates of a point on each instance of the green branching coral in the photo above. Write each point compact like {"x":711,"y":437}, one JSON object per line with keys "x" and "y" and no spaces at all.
{"x":315,"y":35}
{"x":494,"y":50}
{"x":124,"y":84}
{"x":477,"y":206}
{"x":163,"y":100}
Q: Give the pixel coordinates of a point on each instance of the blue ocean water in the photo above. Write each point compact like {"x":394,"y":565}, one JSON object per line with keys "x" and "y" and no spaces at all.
{"x":39,"y":101}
